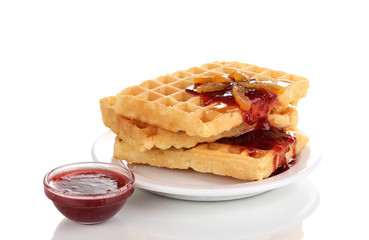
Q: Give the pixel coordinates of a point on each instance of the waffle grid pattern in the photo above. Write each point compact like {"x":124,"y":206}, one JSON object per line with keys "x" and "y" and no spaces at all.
{"x":216,"y":158}
{"x":168,"y":106}
{"x":143,"y":136}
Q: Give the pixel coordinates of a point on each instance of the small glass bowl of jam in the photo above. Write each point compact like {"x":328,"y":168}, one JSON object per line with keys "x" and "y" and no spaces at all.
{"x":89,"y":192}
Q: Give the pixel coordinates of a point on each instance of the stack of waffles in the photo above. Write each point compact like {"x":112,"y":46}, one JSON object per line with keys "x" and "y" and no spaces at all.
{"x":197,"y":119}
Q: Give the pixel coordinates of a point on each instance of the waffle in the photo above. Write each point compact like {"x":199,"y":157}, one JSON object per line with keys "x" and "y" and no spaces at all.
{"x":217,"y":158}
{"x":144,"y":137}
{"x":164,"y":103}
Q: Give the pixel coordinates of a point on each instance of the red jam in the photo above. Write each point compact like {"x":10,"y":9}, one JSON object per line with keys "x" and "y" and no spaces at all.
{"x":283,"y":168}
{"x":262,"y":101}
{"x":91,"y":182}
{"x":265,"y":138}
{"x":89,"y":195}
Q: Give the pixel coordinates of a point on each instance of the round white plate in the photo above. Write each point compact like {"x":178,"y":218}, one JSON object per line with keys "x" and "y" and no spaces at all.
{"x":191,"y":185}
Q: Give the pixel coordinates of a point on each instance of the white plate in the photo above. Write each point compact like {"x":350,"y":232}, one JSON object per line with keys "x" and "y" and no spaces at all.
{"x":191,"y":185}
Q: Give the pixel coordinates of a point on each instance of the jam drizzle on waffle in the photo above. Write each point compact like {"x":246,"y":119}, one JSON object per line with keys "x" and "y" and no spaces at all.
{"x":269,"y":138}
{"x":260,"y":103}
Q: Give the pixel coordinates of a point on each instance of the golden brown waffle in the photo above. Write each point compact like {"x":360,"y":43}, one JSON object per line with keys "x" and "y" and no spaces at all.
{"x":143,"y":136}
{"x":163,"y":102}
{"x":216,"y":158}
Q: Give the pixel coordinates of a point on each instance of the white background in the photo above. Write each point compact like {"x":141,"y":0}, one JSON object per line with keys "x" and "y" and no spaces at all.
{"x":58,"y":58}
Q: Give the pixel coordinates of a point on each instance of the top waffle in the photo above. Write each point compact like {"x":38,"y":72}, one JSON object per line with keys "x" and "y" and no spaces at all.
{"x":163,"y":102}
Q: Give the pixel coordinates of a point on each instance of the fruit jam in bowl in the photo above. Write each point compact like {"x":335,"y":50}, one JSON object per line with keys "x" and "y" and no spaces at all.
{"x":89,"y":192}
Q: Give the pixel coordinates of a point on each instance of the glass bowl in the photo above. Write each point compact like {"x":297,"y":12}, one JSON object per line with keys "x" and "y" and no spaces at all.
{"x":89,"y":192}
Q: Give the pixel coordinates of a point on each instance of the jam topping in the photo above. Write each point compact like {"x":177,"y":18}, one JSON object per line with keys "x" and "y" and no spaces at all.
{"x":254,"y":98}
{"x":270,"y":138}
{"x":265,"y":138}
{"x":89,"y":182}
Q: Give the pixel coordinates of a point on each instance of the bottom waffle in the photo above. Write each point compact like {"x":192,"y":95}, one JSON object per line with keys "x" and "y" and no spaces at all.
{"x":145,"y":137}
{"x":219,"y":158}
